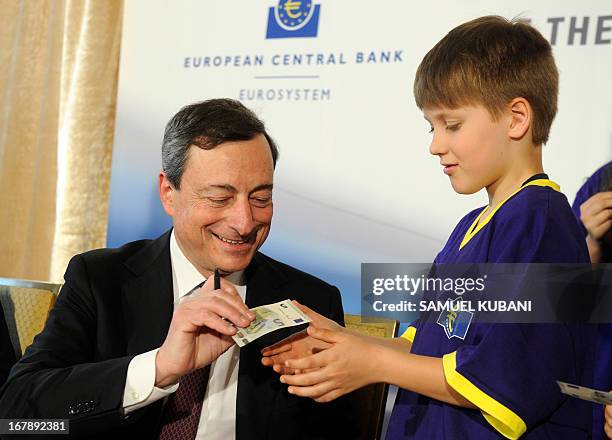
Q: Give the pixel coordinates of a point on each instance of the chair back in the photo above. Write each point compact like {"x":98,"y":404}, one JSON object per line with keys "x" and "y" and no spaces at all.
{"x":26,"y":305}
{"x":370,"y":401}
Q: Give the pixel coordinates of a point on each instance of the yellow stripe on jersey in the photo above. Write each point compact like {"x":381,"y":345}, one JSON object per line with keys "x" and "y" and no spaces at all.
{"x":409,"y":334}
{"x":473,"y":229}
{"x":502,"y":418}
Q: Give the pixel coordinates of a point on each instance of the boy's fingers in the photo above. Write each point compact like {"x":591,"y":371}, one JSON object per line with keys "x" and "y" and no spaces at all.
{"x":303,"y":308}
{"x":328,"y":397}
{"x":275,"y":349}
{"x":277,"y":365}
{"x":324,"y":334}
{"x":306,"y":379}
{"x":311,"y":391}
{"x":312,"y":361}
{"x":316,"y":318}
{"x":280,"y":369}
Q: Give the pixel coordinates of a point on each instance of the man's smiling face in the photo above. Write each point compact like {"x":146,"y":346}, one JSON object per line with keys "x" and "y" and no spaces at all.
{"x":223,"y":209}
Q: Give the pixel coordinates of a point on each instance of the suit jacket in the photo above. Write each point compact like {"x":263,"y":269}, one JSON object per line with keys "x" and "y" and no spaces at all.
{"x":118,"y":303}
{"x":7,"y":353}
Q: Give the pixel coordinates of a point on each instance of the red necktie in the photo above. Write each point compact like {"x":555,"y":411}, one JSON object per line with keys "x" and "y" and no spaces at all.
{"x":181,"y":414}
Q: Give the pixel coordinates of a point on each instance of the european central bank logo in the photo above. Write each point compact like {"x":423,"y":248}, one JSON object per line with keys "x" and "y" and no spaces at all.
{"x":293,"y":19}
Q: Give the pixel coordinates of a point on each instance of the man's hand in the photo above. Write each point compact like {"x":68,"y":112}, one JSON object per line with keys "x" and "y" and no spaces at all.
{"x":596,"y":215}
{"x":299,"y":344}
{"x":198,"y":334}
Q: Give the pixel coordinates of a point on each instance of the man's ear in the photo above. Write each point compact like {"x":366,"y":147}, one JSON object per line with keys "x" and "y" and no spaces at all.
{"x":521,"y":118}
{"x":166,"y":193}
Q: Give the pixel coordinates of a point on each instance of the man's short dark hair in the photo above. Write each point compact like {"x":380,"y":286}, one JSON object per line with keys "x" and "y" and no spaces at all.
{"x":206,"y":125}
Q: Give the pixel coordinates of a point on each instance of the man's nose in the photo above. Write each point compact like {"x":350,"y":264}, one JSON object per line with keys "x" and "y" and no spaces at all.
{"x":241,"y":217}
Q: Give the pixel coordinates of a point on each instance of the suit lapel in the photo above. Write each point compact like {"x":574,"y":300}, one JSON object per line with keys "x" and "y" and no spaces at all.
{"x":148,"y":296}
{"x":262,"y":280}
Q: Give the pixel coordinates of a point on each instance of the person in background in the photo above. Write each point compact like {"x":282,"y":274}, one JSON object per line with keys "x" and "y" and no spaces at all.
{"x":593,"y":207}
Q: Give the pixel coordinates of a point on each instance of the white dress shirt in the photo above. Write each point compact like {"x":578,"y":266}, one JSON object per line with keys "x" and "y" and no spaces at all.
{"x":218,"y":418}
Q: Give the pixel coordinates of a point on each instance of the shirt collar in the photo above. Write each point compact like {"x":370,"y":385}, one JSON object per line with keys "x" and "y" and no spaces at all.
{"x":185,"y":276}
{"x":535,"y":177}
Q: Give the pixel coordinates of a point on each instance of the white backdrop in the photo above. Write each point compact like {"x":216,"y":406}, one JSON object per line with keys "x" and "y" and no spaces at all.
{"x":355,"y":182}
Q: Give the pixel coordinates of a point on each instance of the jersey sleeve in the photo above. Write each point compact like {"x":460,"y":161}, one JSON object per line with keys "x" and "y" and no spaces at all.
{"x":410,"y":333}
{"x":511,"y":374}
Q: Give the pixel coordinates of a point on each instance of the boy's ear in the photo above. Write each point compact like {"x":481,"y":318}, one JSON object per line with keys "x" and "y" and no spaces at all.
{"x":521,"y":118}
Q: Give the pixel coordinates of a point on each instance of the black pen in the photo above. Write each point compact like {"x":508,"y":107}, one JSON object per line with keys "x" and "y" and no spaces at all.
{"x":217,"y":280}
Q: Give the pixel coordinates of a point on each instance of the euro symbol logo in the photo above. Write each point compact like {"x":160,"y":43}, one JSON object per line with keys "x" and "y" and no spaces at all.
{"x":451,"y":320}
{"x":292,"y":6}
{"x":293,"y":19}
{"x":455,"y":324}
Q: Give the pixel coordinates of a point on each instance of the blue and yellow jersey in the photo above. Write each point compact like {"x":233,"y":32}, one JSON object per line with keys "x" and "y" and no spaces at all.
{"x":509,"y":371}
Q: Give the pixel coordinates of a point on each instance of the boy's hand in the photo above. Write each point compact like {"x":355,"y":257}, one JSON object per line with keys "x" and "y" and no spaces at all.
{"x":296,"y":346}
{"x":345,"y":366}
{"x":299,"y":344}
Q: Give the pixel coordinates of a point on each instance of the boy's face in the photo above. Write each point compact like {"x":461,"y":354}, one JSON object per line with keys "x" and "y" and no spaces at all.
{"x":471,"y":145}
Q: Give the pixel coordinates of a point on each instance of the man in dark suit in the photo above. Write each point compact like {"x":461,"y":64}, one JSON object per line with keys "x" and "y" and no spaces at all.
{"x":135,"y":347}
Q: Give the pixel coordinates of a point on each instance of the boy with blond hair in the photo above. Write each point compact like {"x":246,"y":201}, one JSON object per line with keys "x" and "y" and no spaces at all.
{"x":488,"y":90}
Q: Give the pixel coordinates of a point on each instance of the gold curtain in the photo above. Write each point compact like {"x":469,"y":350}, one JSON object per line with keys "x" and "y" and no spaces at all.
{"x":58,"y":85}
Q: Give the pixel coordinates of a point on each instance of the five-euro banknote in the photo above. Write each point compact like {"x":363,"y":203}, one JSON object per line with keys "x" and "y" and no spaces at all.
{"x":269,"y":318}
